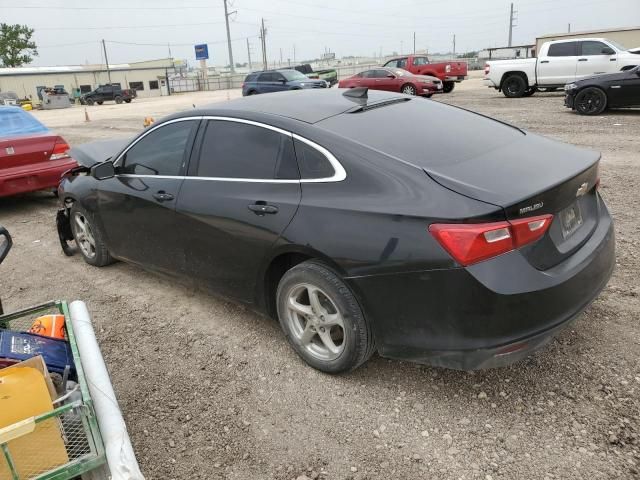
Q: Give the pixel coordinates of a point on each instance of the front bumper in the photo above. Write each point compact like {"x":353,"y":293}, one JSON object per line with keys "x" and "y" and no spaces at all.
{"x":569,"y":100}
{"x":490,"y":314}
{"x":31,"y":178}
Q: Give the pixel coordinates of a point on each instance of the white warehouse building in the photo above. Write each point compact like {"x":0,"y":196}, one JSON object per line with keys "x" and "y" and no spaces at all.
{"x":148,"y":78}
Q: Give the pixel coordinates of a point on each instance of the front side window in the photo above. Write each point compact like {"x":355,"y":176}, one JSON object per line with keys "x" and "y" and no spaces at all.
{"x":240,"y":150}
{"x":312,"y":163}
{"x":593,"y":48}
{"x":402,"y":63}
{"x":421,"y":61}
{"x":293,"y":75}
{"x":266,"y":77}
{"x":161,"y":152}
{"x":566,"y":49}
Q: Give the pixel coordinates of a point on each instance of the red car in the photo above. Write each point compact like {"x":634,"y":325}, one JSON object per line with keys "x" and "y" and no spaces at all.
{"x":449,"y":72}
{"x":394,"y":80}
{"x":31,"y":157}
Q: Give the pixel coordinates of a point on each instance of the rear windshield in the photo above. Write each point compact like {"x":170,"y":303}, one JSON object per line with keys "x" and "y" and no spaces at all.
{"x":15,"y":121}
{"x":423,"y":133}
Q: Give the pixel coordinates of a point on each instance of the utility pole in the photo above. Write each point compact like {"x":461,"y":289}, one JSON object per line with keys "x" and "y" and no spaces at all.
{"x":106,"y":60}
{"x":401,"y":42}
{"x":249,"y":54}
{"x":512,"y":19}
{"x":414,"y":43}
{"x":263,"y":34}
{"x":226,"y":19}
{"x":569,"y":28}
{"x":454,"y":45}
{"x":294,"y":53}
{"x":281,"y":57}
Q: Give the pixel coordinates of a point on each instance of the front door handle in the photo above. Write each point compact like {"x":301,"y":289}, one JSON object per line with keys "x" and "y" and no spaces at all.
{"x":163,"y":196}
{"x":261,"y":208}
{"x":582,"y":59}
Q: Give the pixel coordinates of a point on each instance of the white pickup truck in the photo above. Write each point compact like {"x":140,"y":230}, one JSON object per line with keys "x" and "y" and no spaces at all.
{"x":559,"y":62}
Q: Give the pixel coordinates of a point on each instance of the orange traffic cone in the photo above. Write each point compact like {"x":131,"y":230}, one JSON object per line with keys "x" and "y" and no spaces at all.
{"x":49,"y":326}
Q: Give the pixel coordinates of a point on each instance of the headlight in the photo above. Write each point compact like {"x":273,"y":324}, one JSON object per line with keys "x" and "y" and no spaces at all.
{"x":570,"y":86}
{"x":302,"y":84}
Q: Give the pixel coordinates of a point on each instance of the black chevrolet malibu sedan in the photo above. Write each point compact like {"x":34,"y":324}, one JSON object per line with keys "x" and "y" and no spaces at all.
{"x":363,"y":222}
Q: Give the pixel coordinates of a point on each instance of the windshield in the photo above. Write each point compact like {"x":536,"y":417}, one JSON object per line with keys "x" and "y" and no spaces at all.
{"x":292,"y":75}
{"x":618,"y":45}
{"x":401,"y":73}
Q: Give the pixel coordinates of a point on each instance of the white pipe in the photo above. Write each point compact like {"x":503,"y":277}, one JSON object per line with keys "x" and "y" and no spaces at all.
{"x":120,"y":457}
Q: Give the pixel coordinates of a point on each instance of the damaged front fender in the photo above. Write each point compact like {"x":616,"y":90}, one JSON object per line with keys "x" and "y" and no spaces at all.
{"x":63,"y":223}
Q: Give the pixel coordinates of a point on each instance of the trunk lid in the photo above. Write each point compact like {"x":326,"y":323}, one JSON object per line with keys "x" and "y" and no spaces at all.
{"x":532,"y":177}
{"x":20,"y":151}
{"x":457,"y":69}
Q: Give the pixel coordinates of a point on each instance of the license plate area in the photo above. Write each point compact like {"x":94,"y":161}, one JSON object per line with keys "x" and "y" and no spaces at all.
{"x":570,"y":220}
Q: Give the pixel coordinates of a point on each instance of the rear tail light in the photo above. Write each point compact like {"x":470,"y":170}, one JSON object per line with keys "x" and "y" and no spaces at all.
{"x":487,"y":68}
{"x":447,"y":68}
{"x":60,"y":150}
{"x":475,"y":242}
{"x":242,"y":85}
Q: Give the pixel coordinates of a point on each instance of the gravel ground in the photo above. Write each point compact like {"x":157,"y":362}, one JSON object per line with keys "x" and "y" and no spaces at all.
{"x":211,"y":390}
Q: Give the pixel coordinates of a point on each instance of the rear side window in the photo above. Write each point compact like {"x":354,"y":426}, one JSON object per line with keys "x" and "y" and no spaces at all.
{"x":251,"y":78}
{"x":311,"y":162}
{"x":239,"y":150}
{"x":161,"y":152}
{"x":266,"y":77}
{"x":402,"y":63}
{"x":566,"y":49}
{"x":592,"y":48}
{"x":420,"y":61}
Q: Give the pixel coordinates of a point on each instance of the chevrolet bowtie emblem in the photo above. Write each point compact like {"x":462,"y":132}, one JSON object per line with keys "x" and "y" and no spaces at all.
{"x":582,"y":190}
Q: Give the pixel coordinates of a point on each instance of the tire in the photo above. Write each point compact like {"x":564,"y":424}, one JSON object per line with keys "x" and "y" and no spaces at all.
{"x":128,"y":100}
{"x":529,"y":91}
{"x":118,"y":99}
{"x":428,"y":95}
{"x":590,"y":101}
{"x":347,"y":339}
{"x":447,"y":87}
{"x":89,"y":101}
{"x":408,"y":89}
{"x":252,"y":92}
{"x":99,"y":102}
{"x":514,"y":86}
{"x":92,"y":246}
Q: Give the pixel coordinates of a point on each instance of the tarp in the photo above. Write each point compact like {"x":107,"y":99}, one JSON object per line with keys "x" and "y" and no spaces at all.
{"x":15,"y":121}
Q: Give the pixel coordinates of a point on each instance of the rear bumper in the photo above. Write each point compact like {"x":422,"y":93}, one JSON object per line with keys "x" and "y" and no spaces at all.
{"x":33,"y":178}
{"x":491,"y":314}
{"x":455,"y":78}
{"x":489,"y":83}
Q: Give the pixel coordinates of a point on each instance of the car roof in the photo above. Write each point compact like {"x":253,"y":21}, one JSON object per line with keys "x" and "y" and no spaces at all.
{"x":309,"y":106}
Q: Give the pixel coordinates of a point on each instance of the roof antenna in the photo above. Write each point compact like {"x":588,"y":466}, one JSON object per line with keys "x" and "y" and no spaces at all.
{"x":357,"y":92}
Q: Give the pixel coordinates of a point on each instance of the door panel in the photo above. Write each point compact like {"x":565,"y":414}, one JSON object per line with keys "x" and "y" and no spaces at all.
{"x":225,"y":241}
{"x":559,"y":66}
{"x":625,"y":91}
{"x":592,"y":61}
{"x":382,"y":82}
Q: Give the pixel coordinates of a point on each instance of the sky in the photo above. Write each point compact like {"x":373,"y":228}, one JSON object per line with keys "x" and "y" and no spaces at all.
{"x":69,"y":32}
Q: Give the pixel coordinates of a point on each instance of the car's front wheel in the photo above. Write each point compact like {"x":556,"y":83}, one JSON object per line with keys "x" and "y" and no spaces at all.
{"x":322,"y":319}
{"x":408,"y":89}
{"x":591,"y":101}
{"x":118,"y":99}
{"x":89,"y":238}
{"x":447,"y":87}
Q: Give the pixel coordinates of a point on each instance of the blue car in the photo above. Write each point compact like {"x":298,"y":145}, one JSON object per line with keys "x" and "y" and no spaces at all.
{"x":278,"y":81}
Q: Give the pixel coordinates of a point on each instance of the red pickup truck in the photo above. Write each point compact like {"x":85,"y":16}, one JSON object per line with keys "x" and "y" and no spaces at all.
{"x":448,"y":72}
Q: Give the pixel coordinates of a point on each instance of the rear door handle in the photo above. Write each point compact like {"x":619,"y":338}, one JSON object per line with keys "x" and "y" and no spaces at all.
{"x":544,"y":61}
{"x":261,"y":208}
{"x":163,"y":196}
{"x":582,"y":59}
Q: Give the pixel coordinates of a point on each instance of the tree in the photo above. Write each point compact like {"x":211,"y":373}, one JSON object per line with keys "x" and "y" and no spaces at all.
{"x":472,"y":54}
{"x":16,"y":46}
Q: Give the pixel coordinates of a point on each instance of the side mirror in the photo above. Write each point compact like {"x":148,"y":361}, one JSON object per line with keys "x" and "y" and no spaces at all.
{"x":608,"y":51}
{"x":283,"y":81}
{"x":5,"y":243}
{"x":103,"y":170}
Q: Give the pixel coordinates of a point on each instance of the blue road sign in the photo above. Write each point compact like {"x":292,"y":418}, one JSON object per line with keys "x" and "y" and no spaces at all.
{"x":202,"y":52}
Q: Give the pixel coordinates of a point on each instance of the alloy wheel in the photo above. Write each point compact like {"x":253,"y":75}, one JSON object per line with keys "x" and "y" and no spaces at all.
{"x":315,"y":321}
{"x":84,"y":235}
{"x":409,"y":90}
{"x":590,"y":102}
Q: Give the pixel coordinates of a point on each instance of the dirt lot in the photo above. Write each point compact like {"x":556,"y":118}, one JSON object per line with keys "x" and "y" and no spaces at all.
{"x":211,"y":390}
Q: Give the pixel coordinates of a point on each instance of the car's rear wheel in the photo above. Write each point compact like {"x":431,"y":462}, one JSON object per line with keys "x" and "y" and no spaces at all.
{"x":252,"y":92}
{"x":514,"y":86}
{"x":447,"y":87}
{"x":99,"y":102}
{"x":408,"y":89}
{"x":591,"y":101}
{"x":322,"y":320}
{"x":89,"y":101}
{"x":529,"y":91}
{"x":89,"y":238}
{"x":118,"y":99}
{"x":128,"y":100}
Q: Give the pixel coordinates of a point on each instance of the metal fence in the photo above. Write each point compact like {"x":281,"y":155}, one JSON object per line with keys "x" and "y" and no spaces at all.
{"x":179,"y":85}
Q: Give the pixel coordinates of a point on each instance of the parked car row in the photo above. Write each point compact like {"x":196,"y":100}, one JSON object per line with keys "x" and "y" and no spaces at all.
{"x":595,"y":73}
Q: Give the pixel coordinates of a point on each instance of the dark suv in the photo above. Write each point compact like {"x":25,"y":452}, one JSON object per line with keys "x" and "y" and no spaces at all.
{"x":109,"y":92}
{"x":277,"y":81}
